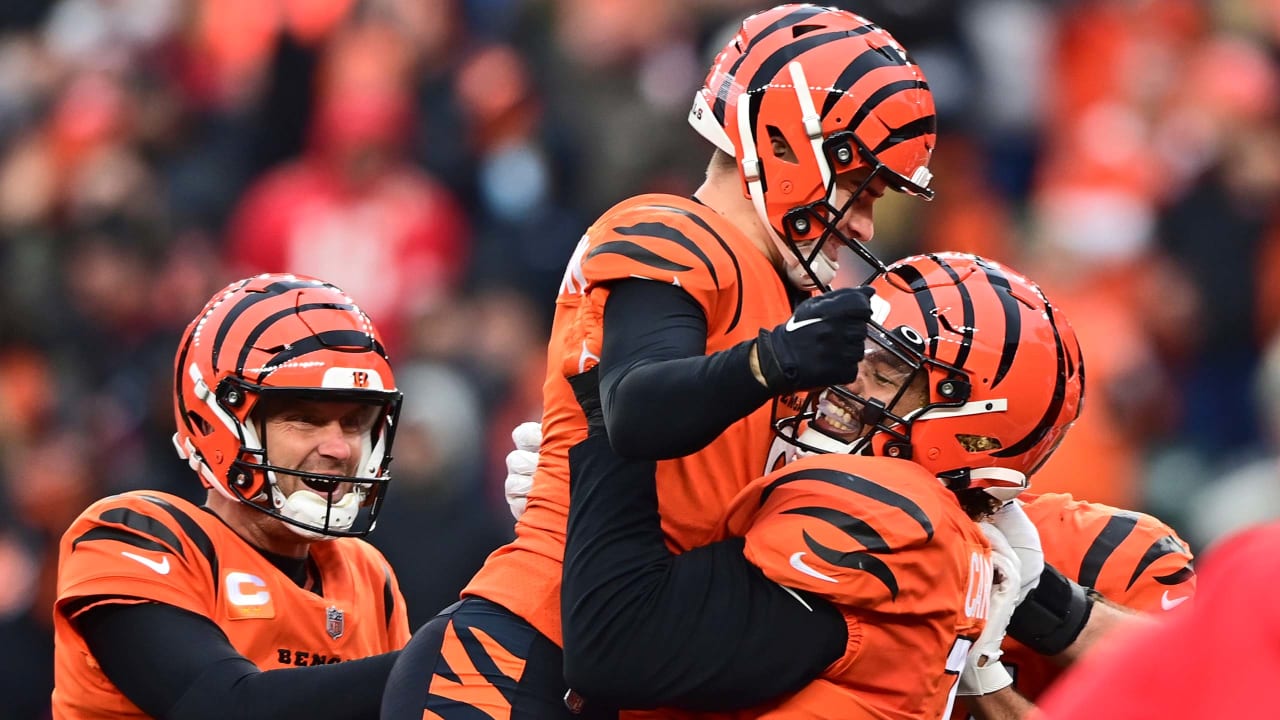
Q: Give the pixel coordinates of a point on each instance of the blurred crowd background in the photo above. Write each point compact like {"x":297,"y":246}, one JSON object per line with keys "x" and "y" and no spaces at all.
{"x":438,"y":159}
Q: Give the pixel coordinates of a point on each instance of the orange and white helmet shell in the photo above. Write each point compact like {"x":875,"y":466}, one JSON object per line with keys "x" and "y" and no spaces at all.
{"x":274,"y":333}
{"x":856,"y":78}
{"x":987,"y":325}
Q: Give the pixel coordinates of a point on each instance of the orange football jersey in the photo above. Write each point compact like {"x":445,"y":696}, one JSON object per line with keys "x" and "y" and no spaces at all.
{"x":884,"y":541}
{"x":1131,"y":558}
{"x":151,"y":546}
{"x":671,"y":240}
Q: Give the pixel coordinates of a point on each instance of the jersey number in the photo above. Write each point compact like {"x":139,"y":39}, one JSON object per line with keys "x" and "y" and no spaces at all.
{"x":955,"y":665}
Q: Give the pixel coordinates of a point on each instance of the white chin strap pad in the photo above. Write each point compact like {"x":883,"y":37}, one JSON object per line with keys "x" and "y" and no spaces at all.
{"x":815,"y":438}
{"x":310,"y":508}
{"x":822,"y":266}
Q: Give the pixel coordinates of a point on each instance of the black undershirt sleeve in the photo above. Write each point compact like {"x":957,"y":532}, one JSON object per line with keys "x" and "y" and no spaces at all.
{"x":662,"y":396}
{"x":702,"y":630}
{"x":177,"y":665}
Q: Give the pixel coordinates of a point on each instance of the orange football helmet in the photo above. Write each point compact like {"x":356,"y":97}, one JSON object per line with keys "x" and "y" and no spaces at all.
{"x":991,"y":369}
{"x":844,"y":95}
{"x":296,"y":337}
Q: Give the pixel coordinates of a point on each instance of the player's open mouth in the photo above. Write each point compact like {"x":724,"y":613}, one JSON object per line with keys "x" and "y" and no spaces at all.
{"x":837,"y":418}
{"x":321,"y":486}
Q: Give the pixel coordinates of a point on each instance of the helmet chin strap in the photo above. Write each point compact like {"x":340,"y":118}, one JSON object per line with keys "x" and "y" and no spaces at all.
{"x":814,"y":438}
{"x":821,"y":267}
{"x":310,"y":508}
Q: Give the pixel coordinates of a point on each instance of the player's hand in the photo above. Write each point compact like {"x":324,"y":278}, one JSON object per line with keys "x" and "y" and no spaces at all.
{"x":521,"y":464}
{"x":983,"y":672}
{"x":1021,"y":533}
{"x":820,"y":345}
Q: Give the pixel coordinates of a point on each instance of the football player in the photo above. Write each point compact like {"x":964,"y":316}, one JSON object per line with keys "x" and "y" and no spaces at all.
{"x":1214,"y":657}
{"x":1131,"y":562}
{"x":263,"y":602}
{"x":970,"y":380}
{"x":696,"y":310}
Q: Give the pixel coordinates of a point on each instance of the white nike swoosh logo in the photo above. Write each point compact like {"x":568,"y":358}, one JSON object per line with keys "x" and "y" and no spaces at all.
{"x":1167,"y":604}
{"x":797,"y":562}
{"x":793,"y":325}
{"x":160,"y":566}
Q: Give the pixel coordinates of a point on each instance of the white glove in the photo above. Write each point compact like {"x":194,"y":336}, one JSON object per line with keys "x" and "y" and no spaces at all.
{"x":983,"y":672}
{"x":521,"y":463}
{"x":1024,"y":538}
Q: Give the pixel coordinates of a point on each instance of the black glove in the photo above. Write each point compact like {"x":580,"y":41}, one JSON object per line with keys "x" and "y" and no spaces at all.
{"x":586,"y":388}
{"x":820,"y":345}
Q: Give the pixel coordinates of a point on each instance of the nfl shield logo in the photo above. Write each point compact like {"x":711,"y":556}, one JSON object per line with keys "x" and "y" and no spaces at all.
{"x":333,"y":622}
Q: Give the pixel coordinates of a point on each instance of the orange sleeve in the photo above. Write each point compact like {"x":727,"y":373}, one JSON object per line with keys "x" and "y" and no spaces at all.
{"x":856,"y":539}
{"x":1131,"y":558}
{"x":129,"y":547}
{"x":651,"y":237}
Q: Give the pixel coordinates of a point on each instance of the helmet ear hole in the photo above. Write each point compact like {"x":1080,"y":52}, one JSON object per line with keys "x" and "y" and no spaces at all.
{"x":204,"y":427}
{"x":781,"y":148}
{"x":979,"y":443}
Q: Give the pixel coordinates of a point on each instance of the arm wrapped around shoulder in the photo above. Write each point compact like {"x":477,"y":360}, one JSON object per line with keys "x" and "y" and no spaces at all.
{"x":1052,"y":616}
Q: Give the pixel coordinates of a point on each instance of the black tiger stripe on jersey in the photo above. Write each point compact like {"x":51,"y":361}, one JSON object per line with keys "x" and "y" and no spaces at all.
{"x":195,"y":534}
{"x":733,"y":258}
{"x":388,"y":597}
{"x":148,"y":532}
{"x":659,"y":231}
{"x":722,"y":93}
{"x":1177,"y":577}
{"x":1167,"y":545}
{"x":124,"y":536}
{"x":1104,"y":545}
{"x":866,"y":562}
{"x":855,"y":484}
{"x":854,"y":527}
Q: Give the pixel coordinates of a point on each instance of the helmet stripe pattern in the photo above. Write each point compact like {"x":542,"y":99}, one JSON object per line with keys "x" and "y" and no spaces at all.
{"x":722,"y":92}
{"x":967,"y":313}
{"x":924,"y":298}
{"x":773,"y":64}
{"x":1012,"y":319}
{"x":244,"y":304}
{"x":1050,"y":418}
{"x":265,"y":325}
{"x":319,"y":341}
{"x":919,"y":127}
{"x":873,"y":100}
